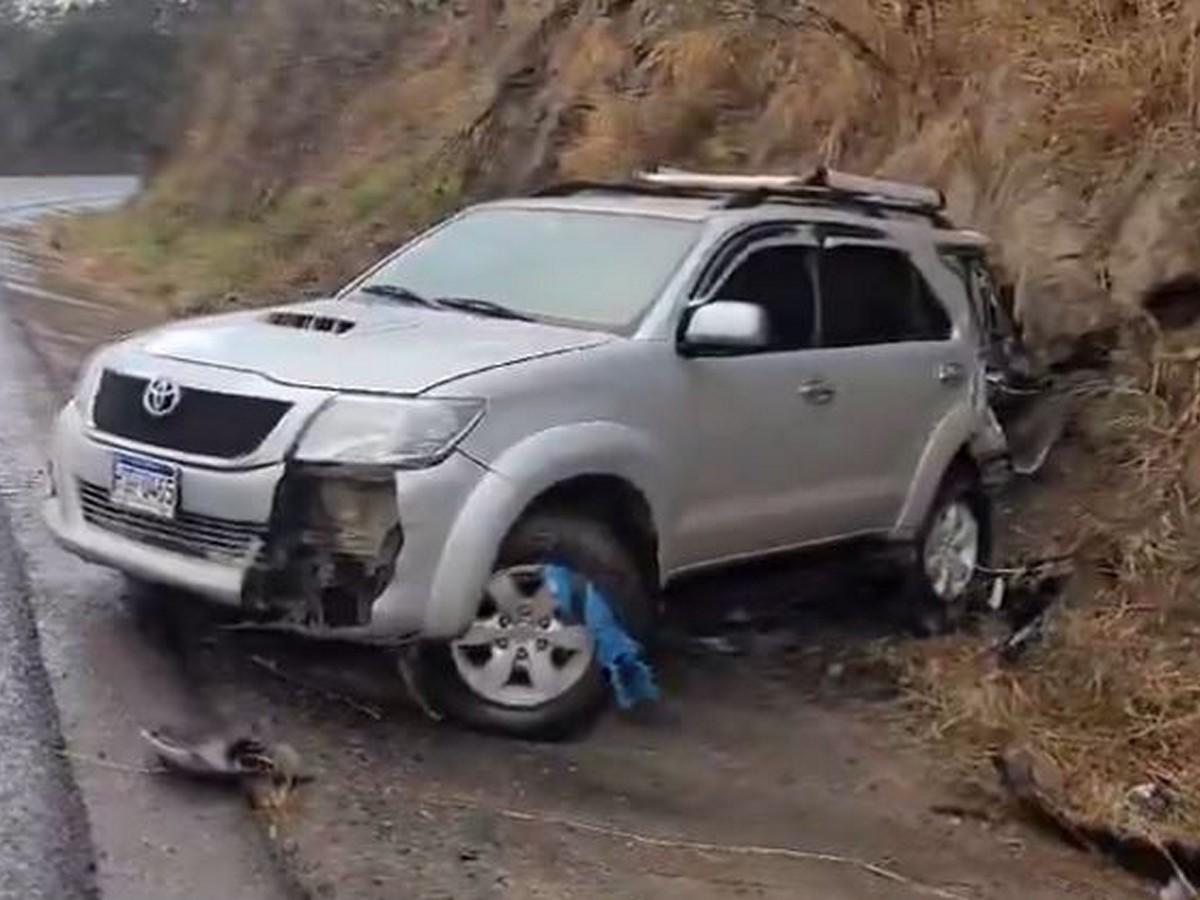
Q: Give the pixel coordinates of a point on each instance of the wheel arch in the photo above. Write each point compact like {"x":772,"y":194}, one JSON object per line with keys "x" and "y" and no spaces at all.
{"x":608,"y":469}
{"x":955,"y":442}
{"x":616,"y":502}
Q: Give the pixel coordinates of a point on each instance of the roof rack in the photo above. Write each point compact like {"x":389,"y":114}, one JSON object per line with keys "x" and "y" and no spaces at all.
{"x":823,"y":185}
{"x":858,"y":187}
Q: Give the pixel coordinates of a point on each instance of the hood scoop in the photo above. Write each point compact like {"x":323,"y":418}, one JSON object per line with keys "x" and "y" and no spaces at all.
{"x":308,"y":322}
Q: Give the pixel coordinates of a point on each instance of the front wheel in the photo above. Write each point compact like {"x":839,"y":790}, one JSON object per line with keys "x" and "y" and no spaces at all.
{"x":953,"y":551}
{"x":523,"y":667}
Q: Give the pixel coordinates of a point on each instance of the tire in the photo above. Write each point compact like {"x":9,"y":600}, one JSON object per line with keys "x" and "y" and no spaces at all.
{"x":938,"y":596}
{"x":591,"y":550}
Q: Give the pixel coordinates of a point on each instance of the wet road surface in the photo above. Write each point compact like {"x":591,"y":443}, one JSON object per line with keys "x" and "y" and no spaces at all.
{"x":73,"y":785}
{"x":44,"y":845}
{"x":45,"y":848}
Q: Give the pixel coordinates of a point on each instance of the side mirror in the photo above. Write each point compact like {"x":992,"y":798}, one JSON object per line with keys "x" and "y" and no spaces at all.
{"x":726,"y":326}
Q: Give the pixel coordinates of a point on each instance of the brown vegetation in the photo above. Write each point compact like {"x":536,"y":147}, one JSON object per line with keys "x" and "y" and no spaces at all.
{"x":322,"y":132}
{"x":1112,"y":692}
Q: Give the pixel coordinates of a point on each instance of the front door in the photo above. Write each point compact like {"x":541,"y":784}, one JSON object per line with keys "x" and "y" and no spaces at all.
{"x":748,"y":485}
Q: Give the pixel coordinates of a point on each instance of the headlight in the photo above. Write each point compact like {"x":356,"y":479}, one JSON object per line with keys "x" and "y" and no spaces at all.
{"x":403,"y":434}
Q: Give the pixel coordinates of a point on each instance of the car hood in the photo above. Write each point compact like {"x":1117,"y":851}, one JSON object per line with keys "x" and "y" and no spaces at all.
{"x":367,"y":344}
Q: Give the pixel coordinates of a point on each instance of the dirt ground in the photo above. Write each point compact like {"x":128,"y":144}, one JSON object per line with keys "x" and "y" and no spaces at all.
{"x":779,"y":764}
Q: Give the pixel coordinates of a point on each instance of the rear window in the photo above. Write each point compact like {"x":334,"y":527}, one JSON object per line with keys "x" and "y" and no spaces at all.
{"x":596,"y":270}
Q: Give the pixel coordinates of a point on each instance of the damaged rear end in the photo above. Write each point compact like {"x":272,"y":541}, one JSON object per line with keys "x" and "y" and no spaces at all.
{"x":1029,"y":412}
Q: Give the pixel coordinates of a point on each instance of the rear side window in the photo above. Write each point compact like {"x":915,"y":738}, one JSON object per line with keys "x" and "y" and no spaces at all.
{"x":874,"y":295}
{"x":778,"y":278}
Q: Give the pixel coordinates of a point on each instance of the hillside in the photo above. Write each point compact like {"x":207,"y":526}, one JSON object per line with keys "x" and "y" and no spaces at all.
{"x":322,"y":132}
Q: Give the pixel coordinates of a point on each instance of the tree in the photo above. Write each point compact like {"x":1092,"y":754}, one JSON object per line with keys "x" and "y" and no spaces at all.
{"x":91,"y":81}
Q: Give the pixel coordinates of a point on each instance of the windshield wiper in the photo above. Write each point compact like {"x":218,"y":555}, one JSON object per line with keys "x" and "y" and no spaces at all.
{"x":464,"y":304}
{"x":397,"y":292}
{"x":483,"y":308}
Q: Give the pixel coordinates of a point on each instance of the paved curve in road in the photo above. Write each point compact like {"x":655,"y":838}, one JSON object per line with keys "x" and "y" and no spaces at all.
{"x":82,"y":668}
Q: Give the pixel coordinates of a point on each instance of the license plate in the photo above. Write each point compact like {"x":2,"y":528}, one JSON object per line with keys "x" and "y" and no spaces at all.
{"x":145,"y":486}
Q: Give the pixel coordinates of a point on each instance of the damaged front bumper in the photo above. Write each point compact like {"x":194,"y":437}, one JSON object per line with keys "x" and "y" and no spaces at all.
{"x":338,"y":551}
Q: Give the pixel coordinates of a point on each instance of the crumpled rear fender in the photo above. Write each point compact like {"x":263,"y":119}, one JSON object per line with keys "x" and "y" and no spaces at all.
{"x":965,"y":429}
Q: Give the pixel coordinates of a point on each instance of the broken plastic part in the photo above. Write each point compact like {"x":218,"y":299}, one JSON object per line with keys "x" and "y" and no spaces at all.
{"x":332,"y":550}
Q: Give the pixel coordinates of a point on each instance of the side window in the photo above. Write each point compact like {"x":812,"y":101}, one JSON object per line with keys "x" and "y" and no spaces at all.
{"x":778,"y":279}
{"x":874,"y":295}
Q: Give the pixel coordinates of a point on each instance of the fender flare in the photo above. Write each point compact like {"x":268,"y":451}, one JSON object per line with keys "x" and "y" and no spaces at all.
{"x":958,"y":432}
{"x":516,"y":479}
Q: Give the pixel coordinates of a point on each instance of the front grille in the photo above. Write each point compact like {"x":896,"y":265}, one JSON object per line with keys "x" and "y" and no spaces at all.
{"x":203,"y":537}
{"x":205,"y":423}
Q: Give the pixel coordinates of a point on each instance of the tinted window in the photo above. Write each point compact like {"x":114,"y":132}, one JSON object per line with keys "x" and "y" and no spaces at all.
{"x":591,"y":269}
{"x":778,"y":279}
{"x":873,"y":295}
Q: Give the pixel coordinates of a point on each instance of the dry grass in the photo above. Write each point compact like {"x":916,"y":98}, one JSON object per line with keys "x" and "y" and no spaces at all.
{"x":1112,"y":694}
{"x":355,"y":100}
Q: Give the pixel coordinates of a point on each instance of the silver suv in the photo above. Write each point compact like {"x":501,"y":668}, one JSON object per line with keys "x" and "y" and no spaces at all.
{"x":631,"y":381}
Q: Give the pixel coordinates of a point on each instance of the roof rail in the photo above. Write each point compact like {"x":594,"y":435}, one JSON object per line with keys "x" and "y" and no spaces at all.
{"x":823,"y":187}
{"x":843,"y":184}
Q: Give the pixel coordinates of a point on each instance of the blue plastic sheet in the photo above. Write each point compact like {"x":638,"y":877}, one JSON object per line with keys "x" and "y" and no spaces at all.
{"x":618,"y":653}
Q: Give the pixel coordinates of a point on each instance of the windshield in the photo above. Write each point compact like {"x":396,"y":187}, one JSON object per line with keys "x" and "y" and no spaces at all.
{"x":593,"y":270}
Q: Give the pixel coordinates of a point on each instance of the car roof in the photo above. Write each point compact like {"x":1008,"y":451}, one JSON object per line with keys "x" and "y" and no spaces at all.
{"x":692,"y":209}
{"x":715,"y":212}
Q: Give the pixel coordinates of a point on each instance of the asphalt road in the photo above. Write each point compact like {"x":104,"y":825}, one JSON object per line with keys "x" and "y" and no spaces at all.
{"x":45,"y":849}
{"x":85,"y":663}
{"x":45,"y":846}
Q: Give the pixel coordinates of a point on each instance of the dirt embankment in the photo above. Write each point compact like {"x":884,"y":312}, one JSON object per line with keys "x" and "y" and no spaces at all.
{"x":323,"y":131}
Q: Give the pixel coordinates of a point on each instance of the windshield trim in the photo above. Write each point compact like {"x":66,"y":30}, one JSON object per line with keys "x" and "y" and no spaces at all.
{"x":626,"y":329}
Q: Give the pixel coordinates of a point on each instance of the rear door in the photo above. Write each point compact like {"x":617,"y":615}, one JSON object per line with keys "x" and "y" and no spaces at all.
{"x":890,"y":369}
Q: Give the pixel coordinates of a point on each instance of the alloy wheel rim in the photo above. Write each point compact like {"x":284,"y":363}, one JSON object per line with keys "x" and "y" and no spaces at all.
{"x":951,"y":553}
{"x":520,"y":652}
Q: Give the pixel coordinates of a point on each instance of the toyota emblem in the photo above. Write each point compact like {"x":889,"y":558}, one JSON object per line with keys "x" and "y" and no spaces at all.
{"x":161,"y":397}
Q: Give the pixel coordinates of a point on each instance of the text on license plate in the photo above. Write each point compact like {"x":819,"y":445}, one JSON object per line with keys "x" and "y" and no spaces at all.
{"x":145,"y":486}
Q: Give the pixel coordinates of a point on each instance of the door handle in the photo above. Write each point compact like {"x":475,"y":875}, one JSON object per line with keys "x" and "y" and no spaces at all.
{"x":952,"y":373}
{"x":817,"y":391}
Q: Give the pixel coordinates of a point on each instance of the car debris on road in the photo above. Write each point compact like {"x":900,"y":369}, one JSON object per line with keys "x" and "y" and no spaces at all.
{"x":268,"y":773}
